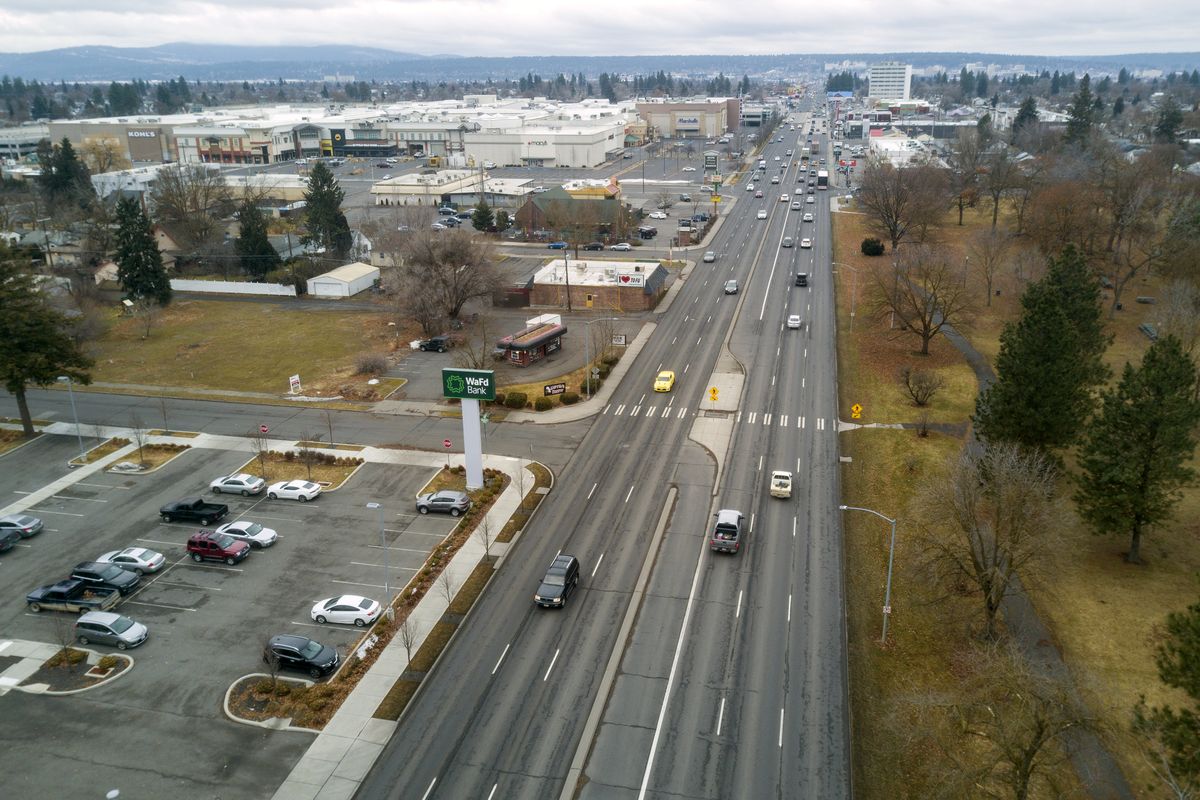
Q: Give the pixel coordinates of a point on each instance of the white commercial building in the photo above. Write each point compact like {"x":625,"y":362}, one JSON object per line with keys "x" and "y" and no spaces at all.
{"x":889,"y":80}
{"x":344,"y":281}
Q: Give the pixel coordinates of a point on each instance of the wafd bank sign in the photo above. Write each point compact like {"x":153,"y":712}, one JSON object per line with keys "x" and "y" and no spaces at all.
{"x":468,"y":384}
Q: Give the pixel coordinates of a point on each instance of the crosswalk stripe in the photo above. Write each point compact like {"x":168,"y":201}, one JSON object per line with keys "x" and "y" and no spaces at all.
{"x":783,"y":420}
{"x":650,"y":411}
{"x":820,"y":423}
{"x":635,"y":411}
{"x":606,"y":408}
{"x":682,"y":413}
{"x":802,"y":422}
{"x":766,"y":419}
{"x":620,"y":409}
{"x":753,"y":414}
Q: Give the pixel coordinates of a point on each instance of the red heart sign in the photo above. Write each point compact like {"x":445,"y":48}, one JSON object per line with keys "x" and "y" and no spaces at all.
{"x":624,"y":279}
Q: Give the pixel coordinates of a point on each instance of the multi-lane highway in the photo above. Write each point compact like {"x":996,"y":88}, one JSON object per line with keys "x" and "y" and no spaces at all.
{"x":727,"y":672}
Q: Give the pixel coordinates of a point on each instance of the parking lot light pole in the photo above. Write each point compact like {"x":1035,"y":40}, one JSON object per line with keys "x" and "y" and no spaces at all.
{"x":383,"y":543}
{"x":887,"y":595}
{"x":67,"y":380}
{"x":587,"y":358}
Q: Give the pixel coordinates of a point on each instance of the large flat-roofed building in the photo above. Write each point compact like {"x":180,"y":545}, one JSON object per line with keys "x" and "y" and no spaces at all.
{"x":21,"y":141}
{"x":426,"y":189}
{"x":593,"y":283}
{"x":891,"y":80}
{"x":705,"y":118}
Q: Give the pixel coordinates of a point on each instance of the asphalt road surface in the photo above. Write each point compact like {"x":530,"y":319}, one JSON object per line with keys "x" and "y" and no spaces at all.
{"x":757,"y":700}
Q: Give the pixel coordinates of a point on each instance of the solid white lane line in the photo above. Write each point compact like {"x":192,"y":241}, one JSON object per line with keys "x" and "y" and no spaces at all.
{"x":781,"y":729}
{"x":492,"y":793}
{"x":720,"y":716}
{"x":685,"y":369}
{"x":760,"y":463}
{"x":429,"y":790}
{"x":772,"y":381}
{"x":789,"y":609}
{"x":597,"y":567}
{"x":547,"y":675}
{"x":737,"y":612}
{"x":592,"y":490}
{"x":629,"y":494}
{"x":752,"y":514}
{"x":500,"y":660}
{"x":794,"y":520}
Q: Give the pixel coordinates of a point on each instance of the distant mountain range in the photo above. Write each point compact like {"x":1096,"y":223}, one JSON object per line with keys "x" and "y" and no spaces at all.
{"x":312,"y":63}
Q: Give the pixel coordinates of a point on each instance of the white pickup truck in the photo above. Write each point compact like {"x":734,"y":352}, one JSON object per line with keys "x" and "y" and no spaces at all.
{"x":781,"y":483}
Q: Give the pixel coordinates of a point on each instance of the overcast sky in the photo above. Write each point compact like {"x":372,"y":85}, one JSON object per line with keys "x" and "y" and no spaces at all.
{"x":599,"y":27}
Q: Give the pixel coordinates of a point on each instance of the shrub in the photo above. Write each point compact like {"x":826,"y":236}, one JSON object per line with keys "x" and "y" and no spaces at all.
{"x":605,"y":369}
{"x":108,"y":662}
{"x":542,"y":404}
{"x":282,"y":689}
{"x":611,"y":360}
{"x":515,"y":400}
{"x":872,"y":247}
{"x":595,"y":385}
{"x":499,"y":398}
{"x":371,"y":364}
{"x":569,"y":398}
{"x":262,"y":686}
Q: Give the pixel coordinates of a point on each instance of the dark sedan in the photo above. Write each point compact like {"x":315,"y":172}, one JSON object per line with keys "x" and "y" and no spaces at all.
{"x":287,"y":651}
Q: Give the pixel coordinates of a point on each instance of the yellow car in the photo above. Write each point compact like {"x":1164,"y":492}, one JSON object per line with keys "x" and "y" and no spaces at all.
{"x":665,"y":381}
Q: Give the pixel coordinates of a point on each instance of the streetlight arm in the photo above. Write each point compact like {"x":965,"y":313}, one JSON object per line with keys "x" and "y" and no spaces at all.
{"x":869,"y":511}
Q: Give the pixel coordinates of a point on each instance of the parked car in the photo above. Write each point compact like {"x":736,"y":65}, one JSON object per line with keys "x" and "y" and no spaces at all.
{"x":622,"y":246}
{"x":105,"y":627}
{"x":8,"y":540}
{"x":193,"y":509}
{"x":438,"y":344}
{"x":213,"y":546}
{"x":559,"y":581}
{"x":594,"y":246}
{"x":135,"y":559}
{"x":96,"y":574}
{"x":294,"y":490}
{"x":447,"y":501}
{"x":557,"y":246}
{"x":24,"y":524}
{"x":249,"y":532}
{"x":300,"y":653}
{"x":437,"y":226}
{"x":658,"y":215}
{"x":347,"y":609}
{"x":242,"y":483}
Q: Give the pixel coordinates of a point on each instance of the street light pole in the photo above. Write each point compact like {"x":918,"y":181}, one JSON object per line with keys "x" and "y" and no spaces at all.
{"x":78,"y":435}
{"x":887,"y":595}
{"x":853,"y":288}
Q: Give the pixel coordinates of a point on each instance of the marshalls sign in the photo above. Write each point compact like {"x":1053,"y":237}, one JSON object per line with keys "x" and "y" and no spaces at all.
{"x":468,"y":384}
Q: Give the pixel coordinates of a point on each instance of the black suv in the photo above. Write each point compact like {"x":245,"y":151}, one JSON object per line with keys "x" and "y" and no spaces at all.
{"x":302,"y":654}
{"x":109,"y":576}
{"x":594,"y":246}
{"x":559,"y":582}
{"x":802,"y":279}
{"x":439,"y":343}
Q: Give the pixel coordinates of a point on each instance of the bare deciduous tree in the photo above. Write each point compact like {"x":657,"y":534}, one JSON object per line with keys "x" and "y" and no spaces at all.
{"x":483,"y":532}
{"x":271,"y":662}
{"x":475,"y":352}
{"x":1000,"y":175}
{"x":103,"y":154}
{"x":989,"y":250}
{"x":664,"y":199}
{"x":920,"y":384}
{"x":902,"y":201}
{"x":924,"y":291}
{"x":409,"y":633}
{"x":137,"y":430}
{"x":449,"y":268}
{"x":147,"y":311}
{"x":965,"y":159}
{"x":260,"y":447}
{"x":989,"y":515}
{"x":447,"y":587}
{"x":192,"y":201}
{"x":1179,"y":313}
{"x":413,"y":300}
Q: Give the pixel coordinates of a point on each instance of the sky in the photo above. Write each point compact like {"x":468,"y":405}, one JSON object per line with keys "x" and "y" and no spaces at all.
{"x":648,"y":27}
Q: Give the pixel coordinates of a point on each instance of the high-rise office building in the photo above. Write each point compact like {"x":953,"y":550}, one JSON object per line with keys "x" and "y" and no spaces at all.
{"x":889,"y":80}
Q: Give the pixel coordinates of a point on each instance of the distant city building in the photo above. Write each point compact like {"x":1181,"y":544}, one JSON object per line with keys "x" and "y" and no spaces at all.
{"x":705,"y":118}
{"x":891,"y":80}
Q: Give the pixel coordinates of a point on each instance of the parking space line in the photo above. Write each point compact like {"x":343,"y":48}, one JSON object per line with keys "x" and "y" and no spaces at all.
{"x":104,"y":486}
{"x":370,"y":585}
{"x":48,"y":511}
{"x":80,"y":499}
{"x":198,"y":565}
{"x":187,"y":586}
{"x":423,"y":533}
{"x":157,"y":605}
{"x":401,"y":549}
{"x":154,"y":541}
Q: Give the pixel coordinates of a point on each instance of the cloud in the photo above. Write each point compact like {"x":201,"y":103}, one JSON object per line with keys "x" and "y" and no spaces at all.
{"x":555,"y":27}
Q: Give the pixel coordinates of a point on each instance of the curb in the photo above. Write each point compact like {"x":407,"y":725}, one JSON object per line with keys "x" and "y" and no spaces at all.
{"x":272,"y":724}
{"x":33,"y":688}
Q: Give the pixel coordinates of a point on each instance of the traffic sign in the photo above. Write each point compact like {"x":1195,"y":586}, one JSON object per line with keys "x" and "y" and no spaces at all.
{"x":446,"y":443}
{"x":263,"y":429}
{"x":856,"y":411}
{"x":887,"y":609}
{"x":712,"y":394}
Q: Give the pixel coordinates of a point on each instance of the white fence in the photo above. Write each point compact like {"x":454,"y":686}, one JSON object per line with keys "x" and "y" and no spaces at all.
{"x":234,"y":287}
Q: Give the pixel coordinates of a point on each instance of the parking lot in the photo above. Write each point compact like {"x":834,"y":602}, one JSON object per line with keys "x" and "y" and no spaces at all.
{"x":207,"y":622}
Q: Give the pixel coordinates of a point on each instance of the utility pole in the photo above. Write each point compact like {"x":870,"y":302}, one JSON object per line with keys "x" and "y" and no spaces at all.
{"x":46,"y":243}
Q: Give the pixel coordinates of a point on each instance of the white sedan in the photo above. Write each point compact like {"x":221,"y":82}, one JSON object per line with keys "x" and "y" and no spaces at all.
{"x":135,"y":559}
{"x":688,"y":169}
{"x":347,"y":609}
{"x":658,"y":215}
{"x":294,"y":490}
{"x":793,"y":321}
{"x":239,"y":483}
{"x":249,"y":532}
{"x":806,"y":242}
{"x":762,"y":213}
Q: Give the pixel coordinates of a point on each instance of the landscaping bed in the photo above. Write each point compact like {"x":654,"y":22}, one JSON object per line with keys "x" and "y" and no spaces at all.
{"x":67,"y":670}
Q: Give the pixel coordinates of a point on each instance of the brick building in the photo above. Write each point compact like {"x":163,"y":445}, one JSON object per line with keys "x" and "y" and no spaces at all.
{"x":609,"y":285}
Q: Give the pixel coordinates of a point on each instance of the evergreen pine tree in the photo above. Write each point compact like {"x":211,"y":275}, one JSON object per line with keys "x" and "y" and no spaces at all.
{"x":1136,"y":452}
{"x":482,"y":217}
{"x":326,"y":224}
{"x":1170,"y":120}
{"x":1081,"y":114}
{"x":1027,"y":114}
{"x":1177,"y":732}
{"x":1049,"y":361}
{"x":140,"y":269}
{"x":257,"y":255}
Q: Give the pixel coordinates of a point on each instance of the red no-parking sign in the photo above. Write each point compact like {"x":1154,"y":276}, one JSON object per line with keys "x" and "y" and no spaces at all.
{"x":262,"y":429}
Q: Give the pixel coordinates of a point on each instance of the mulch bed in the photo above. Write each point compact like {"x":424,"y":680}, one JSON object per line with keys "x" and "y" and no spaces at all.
{"x":69,"y":678}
